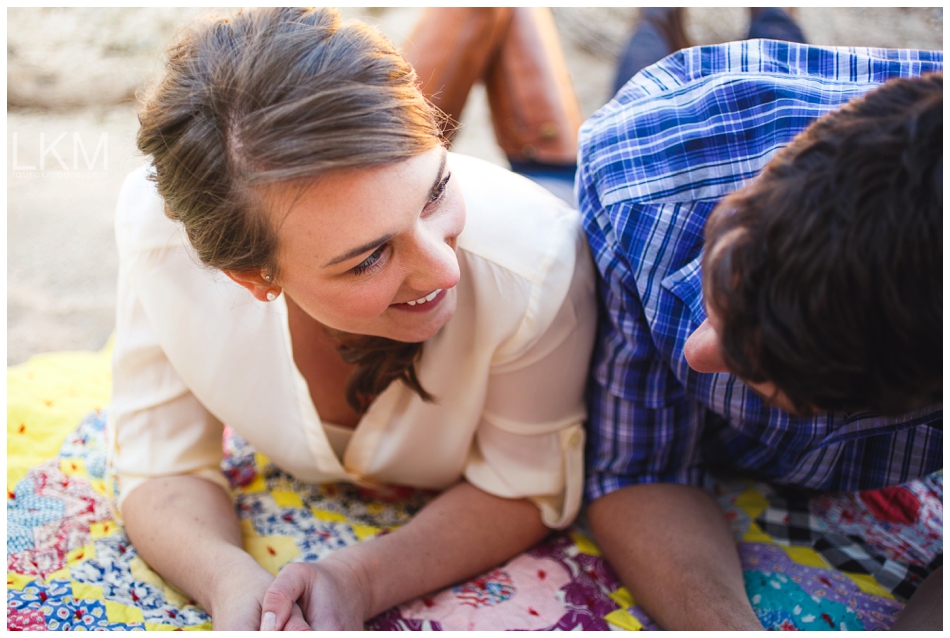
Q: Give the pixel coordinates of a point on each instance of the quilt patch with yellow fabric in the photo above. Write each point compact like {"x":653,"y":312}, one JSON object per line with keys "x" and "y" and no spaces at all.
{"x":844,"y":561}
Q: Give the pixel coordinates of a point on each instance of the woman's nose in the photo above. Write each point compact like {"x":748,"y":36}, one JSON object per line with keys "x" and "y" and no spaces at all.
{"x":702,"y":350}
{"x":434,"y":264}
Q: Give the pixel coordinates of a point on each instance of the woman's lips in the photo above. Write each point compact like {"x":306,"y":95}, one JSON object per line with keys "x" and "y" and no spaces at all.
{"x":423,"y":304}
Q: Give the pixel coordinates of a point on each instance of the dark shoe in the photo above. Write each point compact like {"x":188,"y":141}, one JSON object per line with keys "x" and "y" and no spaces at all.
{"x":755,"y":12}
{"x":774,"y":23}
{"x":670,"y":22}
{"x":659,"y":33}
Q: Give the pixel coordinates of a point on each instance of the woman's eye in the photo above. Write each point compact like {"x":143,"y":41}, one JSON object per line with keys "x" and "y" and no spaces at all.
{"x":376,"y":258}
{"x":439,"y":190}
{"x":370,"y":262}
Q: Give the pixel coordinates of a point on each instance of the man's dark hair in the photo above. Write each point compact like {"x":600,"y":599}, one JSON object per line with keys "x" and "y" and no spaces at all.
{"x":825,"y":272}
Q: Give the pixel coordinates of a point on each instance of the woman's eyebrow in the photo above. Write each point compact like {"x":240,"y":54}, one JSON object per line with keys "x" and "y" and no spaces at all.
{"x":359,"y":250}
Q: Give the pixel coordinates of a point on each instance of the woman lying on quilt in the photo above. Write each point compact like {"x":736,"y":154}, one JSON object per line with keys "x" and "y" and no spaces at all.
{"x":304,"y":262}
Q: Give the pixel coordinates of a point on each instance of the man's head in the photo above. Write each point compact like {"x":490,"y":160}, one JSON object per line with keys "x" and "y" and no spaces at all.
{"x":823,"y":277}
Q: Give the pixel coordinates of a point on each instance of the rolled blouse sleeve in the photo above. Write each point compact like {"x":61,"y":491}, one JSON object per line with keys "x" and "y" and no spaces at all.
{"x":530,"y":441}
{"x":157,"y":427}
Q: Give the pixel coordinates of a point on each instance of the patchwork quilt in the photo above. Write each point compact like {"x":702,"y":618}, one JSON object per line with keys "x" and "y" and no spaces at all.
{"x":832,"y":562}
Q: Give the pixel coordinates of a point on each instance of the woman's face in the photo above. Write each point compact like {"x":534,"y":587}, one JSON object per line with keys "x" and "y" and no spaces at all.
{"x":372,"y":251}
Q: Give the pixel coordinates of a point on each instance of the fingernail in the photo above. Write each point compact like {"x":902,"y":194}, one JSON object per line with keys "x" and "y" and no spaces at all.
{"x":269,"y":621}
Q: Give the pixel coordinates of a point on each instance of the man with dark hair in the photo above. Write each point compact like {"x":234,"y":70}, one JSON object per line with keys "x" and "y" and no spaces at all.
{"x":796,"y":337}
{"x":826,"y":272}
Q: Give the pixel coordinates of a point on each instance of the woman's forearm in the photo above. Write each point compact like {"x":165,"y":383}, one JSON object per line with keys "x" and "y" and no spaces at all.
{"x":462,"y":533}
{"x":187,"y":530}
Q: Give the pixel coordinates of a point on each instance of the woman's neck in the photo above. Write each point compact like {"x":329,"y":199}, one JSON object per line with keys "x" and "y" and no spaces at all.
{"x":315,"y":353}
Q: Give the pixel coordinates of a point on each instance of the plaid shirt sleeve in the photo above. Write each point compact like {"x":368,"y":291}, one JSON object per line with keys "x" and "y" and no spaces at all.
{"x":633,"y":386}
{"x":653,"y":163}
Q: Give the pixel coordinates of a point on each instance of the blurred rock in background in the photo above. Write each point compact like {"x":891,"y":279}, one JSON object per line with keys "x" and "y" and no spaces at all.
{"x":72,"y":74}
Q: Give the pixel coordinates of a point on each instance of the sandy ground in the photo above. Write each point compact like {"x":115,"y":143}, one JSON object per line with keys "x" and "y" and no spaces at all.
{"x":71,"y":78}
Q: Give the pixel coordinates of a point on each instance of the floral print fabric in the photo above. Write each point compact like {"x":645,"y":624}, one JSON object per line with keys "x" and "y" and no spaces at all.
{"x":70,"y":566}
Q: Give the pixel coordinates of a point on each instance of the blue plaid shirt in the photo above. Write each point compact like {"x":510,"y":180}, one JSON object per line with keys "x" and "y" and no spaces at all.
{"x":653,"y":164}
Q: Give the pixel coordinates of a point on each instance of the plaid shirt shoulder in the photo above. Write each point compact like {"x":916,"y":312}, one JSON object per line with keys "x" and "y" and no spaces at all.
{"x":653,"y":164}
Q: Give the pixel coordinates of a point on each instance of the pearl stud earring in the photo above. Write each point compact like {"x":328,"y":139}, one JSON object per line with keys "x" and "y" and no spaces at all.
{"x":271,"y":295}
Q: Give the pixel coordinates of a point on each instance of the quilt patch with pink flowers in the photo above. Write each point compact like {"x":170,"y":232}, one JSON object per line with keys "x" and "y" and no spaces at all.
{"x":832,"y":562}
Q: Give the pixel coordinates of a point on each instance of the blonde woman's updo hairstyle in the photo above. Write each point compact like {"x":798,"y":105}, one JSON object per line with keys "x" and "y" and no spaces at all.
{"x":279,"y":95}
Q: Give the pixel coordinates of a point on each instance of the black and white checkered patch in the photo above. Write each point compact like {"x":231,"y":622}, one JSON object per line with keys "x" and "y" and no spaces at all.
{"x":788,"y":520}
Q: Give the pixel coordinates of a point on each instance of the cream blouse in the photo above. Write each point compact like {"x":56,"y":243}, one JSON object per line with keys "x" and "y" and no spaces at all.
{"x":194,"y":350}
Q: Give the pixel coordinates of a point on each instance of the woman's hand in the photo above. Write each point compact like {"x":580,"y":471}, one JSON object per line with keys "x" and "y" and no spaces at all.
{"x":237,"y":604}
{"x":238,"y":598}
{"x":210,"y":566}
{"x":460,"y":534}
{"x":331,"y":594}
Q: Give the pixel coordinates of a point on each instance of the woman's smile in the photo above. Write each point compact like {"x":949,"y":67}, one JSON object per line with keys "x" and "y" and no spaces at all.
{"x":423,"y":304}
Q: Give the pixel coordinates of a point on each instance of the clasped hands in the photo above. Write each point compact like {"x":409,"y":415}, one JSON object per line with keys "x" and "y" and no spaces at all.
{"x":329,"y":595}
{"x":325,"y":595}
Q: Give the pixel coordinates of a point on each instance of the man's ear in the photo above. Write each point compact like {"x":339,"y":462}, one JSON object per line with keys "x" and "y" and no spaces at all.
{"x":254,"y":282}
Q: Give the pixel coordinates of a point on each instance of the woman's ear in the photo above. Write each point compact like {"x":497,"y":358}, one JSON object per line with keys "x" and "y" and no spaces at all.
{"x":256,"y":282}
